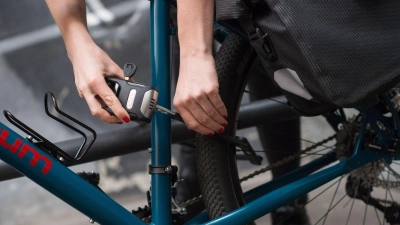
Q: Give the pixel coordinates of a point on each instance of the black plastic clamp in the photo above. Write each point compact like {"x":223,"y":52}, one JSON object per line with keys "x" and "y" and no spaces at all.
{"x":162,"y":169}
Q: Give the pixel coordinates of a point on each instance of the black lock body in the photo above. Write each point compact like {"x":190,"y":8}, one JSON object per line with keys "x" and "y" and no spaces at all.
{"x":139,"y":100}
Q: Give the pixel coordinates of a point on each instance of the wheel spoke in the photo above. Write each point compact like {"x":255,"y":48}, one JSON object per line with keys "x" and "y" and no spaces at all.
{"x":333,"y":198}
{"x":352,"y":204}
{"x":386,"y":195}
{"x":323,"y":191}
{"x":377,"y":215}
{"x":313,"y":198}
{"x":365,"y":211}
{"x":330,"y":205}
{"x":345,"y":205}
{"x":332,"y":208}
{"x":387,"y":188}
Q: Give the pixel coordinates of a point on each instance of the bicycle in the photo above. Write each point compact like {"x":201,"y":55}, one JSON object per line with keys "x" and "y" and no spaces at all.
{"x":55,"y":177}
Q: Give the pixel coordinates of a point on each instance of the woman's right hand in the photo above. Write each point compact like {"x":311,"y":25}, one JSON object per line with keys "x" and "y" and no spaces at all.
{"x":91,"y":66}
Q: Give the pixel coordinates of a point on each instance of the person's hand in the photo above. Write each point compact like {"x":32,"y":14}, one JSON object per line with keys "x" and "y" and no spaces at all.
{"x":197,"y":96}
{"x":91,"y":66}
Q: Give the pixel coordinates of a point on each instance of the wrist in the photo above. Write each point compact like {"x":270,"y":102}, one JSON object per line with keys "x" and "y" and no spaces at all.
{"x":199,"y":52}
{"x":77,"y":41}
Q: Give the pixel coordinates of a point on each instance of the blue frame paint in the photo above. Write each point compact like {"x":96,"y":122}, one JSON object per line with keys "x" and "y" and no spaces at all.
{"x":89,"y":200}
{"x":290,"y":177}
{"x":161,"y":125}
{"x":40,"y":167}
{"x":265,"y":204}
{"x":61,"y":181}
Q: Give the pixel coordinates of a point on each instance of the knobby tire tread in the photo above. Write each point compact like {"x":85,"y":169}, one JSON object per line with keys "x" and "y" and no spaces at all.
{"x":216,"y":162}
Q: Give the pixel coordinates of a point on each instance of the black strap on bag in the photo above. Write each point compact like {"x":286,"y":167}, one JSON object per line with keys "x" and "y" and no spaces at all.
{"x":260,"y":41}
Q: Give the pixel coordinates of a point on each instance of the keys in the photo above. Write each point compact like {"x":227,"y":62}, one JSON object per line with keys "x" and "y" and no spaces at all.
{"x":129,"y":70}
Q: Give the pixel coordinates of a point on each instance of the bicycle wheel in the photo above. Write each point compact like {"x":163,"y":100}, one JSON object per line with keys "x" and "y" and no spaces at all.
{"x":216,"y":160}
{"x":219,"y":179}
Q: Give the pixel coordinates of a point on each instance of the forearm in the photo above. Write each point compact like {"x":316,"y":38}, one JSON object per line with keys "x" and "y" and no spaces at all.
{"x":70,"y":17}
{"x":195,"y":27}
{"x":197,"y":96}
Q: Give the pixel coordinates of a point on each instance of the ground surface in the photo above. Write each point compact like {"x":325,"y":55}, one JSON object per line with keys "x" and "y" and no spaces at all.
{"x":33,"y":61}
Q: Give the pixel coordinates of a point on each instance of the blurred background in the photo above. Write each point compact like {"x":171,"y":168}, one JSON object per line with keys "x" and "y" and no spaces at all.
{"x":33,"y":61}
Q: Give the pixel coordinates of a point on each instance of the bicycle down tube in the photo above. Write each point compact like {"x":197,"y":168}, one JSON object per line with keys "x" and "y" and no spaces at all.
{"x":47,"y":172}
{"x":52,"y":175}
{"x":38,"y":166}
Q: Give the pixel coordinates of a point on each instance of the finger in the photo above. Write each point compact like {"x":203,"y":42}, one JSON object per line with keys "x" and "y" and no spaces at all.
{"x":102,"y":103}
{"x":203,"y":118}
{"x":218,"y":104}
{"x":111,"y":101}
{"x":193,"y":124}
{"x":209,"y":108}
{"x":115,"y":71}
{"x":98,"y":111}
{"x":118,"y":72}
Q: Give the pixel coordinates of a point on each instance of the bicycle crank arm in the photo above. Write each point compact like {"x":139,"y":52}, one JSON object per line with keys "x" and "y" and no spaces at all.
{"x":240,"y":142}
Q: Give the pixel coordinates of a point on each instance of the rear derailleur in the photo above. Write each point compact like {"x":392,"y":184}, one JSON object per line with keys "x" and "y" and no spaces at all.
{"x":359,"y":189}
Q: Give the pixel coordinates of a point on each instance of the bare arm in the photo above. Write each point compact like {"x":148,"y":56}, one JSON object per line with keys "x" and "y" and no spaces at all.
{"x":197,"y":96}
{"x":70,"y":17}
{"x":91,"y":64}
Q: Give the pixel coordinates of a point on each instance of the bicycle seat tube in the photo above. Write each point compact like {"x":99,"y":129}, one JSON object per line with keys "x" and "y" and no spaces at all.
{"x":160,"y":134}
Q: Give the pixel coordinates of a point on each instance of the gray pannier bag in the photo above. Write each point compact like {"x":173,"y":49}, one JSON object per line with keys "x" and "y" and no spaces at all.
{"x":323,"y":54}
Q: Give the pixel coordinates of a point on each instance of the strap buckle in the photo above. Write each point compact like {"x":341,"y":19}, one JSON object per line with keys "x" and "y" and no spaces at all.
{"x":262,"y":44}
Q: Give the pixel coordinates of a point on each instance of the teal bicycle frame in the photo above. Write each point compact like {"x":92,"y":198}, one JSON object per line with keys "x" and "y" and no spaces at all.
{"x":52,"y":175}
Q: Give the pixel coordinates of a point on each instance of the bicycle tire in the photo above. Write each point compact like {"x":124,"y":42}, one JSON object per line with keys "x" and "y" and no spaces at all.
{"x":216,"y":160}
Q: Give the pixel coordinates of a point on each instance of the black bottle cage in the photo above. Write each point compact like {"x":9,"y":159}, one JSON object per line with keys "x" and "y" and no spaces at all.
{"x":45,"y":144}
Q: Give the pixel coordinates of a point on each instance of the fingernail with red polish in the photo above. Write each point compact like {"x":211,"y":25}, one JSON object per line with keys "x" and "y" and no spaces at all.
{"x":221,"y":130}
{"x":224,"y":124}
{"x":225,"y":117}
{"x":126,"y":119}
{"x":211,"y":134}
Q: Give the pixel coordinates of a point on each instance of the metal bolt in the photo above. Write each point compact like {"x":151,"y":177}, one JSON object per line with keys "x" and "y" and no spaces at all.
{"x":91,"y":221}
{"x":183,"y":210}
{"x":168,"y":169}
{"x":29,"y":138}
{"x":373,"y":146}
{"x":150,"y":150}
{"x":61,"y":159}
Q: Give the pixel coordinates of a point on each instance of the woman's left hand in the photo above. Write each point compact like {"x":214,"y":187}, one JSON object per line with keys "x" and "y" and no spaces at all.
{"x":197,"y":96}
